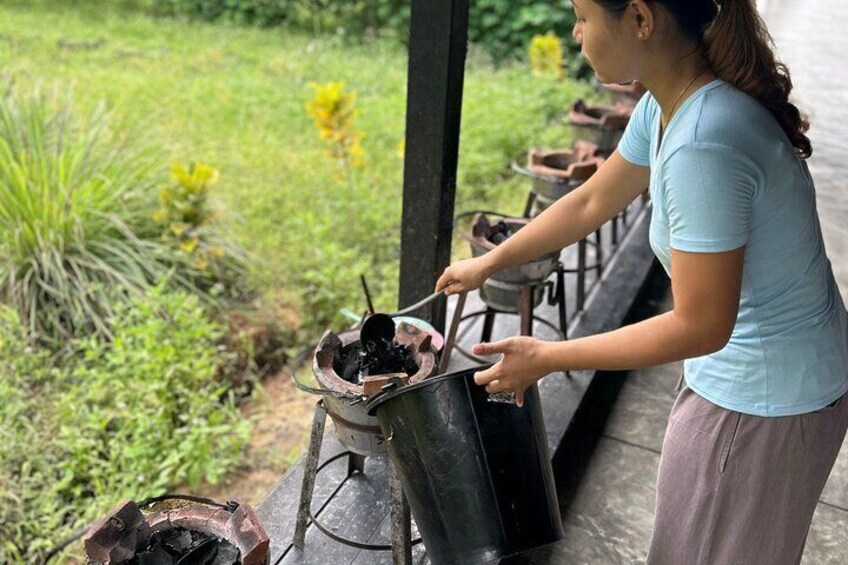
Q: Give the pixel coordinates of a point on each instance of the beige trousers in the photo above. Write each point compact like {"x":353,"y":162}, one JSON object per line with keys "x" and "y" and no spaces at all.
{"x":737,"y":489}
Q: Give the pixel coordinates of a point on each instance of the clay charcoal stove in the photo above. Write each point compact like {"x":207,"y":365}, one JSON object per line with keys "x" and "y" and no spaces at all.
{"x":357,"y":363}
{"x":602,"y":125}
{"x":556,"y":173}
{"x":178,"y":530}
{"x":627,"y":94}
{"x":502,"y":290}
{"x":349,"y":367}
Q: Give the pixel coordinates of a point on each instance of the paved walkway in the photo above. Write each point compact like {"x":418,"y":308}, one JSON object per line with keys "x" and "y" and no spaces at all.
{"x":610,"y":520}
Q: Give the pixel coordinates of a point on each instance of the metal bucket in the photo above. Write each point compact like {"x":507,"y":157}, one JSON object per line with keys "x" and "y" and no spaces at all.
{"x":475,"y":467}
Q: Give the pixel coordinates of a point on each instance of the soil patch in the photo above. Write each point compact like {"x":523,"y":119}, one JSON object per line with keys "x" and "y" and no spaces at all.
{"x":282,"y":417}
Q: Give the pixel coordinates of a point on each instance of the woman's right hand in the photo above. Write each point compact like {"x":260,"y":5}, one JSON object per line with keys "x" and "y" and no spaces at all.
{"x":465,"y":275}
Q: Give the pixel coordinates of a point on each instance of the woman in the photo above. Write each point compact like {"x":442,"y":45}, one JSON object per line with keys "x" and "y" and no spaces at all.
{"x":757,"y":314}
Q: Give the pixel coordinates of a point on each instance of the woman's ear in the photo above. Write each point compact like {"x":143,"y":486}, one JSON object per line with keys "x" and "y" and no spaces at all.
{"x":640,"y":19}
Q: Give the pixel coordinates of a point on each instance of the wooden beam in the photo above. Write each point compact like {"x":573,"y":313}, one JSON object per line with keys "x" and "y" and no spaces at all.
{"x":438,"y":42}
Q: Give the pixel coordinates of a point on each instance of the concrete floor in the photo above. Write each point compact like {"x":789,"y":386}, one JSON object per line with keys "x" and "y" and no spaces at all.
{"x":610,"y":520}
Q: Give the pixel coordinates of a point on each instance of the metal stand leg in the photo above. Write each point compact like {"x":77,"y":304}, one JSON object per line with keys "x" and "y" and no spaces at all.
{"x":355,"y":464}
{"x":560,"y":298}
{"x":310,"y":469}
{"x":615,"y":230}
{"x":581,"y":274}
{"x":528,"y":207}
{"x":401,"y":520}
{"x":525,"y":309}
{"x":599,"y":252}
{"x":444,"y":361}
{"x":488,"y":324}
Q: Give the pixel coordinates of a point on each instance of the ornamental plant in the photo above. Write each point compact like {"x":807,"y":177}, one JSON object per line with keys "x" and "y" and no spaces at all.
{"x":75,"y":216}
{"x":545,"y":54}
{"x":334,"y":112}
{"x":187,"y":218}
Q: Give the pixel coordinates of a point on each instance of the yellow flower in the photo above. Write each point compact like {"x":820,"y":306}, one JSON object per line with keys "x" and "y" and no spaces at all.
{"x":189,"y":245}
{"x":545,"y":54}
{"x":334,"y":112}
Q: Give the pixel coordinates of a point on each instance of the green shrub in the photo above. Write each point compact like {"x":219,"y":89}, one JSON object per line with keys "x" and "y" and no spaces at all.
{"x":212,"y":263}
{"x":503,"y":28}
{"x":258,"y":12}
{"x":128,"y":420}
{"x":75,"y":215}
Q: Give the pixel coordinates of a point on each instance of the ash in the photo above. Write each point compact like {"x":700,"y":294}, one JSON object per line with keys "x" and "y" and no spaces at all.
{"x":182,"y":546}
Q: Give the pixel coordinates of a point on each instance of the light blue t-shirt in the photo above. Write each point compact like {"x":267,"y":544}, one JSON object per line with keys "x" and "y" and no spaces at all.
{"x":726,"y":176}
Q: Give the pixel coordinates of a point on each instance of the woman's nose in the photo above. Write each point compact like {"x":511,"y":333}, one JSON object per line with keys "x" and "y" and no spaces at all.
{"x":577,"y":33}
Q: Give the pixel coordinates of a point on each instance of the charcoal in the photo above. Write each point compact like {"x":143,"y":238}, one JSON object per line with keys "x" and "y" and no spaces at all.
{"x":179,"y":546}
{"x":227,"y":555}
{"x":499,"y":233}
{"x":156,"y":555}
{"x":348,"y":364}
{"x":203,"y":553}
{"x":376,"y":354}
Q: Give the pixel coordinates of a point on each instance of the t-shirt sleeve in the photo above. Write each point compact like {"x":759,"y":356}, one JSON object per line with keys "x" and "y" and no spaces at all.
{"x":635,"y":143}
{"x":710,"y":190}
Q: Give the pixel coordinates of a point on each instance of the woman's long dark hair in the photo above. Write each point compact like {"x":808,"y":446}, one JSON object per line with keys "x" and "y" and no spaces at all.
{"x":739,"y":50}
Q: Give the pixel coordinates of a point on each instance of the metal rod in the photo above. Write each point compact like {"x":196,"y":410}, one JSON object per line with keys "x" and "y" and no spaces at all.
{"x":418,"y":304}
{"x":367,"y":294}
{"x":310,"y":470}
{"x":451,"y":338}
{"x":400,"y":518}
{"x":526,"y":310}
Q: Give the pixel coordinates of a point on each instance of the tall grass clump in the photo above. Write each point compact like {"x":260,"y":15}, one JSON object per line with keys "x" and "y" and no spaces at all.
{"x":76,"y":216}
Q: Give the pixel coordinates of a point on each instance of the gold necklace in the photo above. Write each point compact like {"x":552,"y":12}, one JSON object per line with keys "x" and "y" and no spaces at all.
{"x":685,"y":88}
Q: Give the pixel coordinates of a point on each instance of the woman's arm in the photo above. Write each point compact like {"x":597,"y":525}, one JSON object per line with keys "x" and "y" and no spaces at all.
{"x":706,"y":289}
{"x":615,"y":184}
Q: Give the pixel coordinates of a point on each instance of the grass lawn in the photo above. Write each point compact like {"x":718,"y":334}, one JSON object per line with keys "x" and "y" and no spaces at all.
{"x":234,"y":98}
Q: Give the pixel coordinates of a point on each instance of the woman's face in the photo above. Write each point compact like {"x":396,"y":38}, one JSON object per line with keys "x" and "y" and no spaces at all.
{"x":607,"y":43}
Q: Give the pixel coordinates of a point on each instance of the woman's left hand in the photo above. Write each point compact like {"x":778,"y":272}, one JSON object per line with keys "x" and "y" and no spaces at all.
{"x":524,"y":362}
